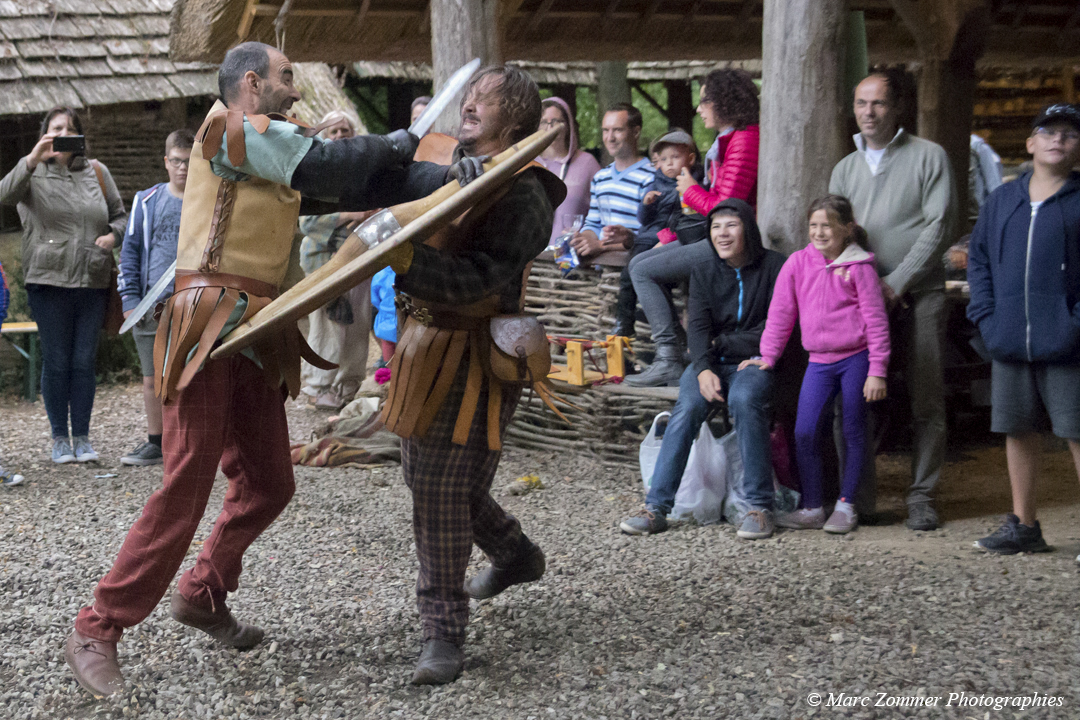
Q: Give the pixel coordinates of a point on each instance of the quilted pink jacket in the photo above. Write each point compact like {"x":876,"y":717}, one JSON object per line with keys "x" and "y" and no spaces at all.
{"x":734,"y":177}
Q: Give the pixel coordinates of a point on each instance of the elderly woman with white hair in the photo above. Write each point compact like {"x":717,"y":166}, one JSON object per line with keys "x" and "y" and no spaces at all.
{"x":338,"y":331}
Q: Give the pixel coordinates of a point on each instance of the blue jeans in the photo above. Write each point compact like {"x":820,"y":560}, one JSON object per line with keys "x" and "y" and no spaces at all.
{"x":749,"y":400}
{"x":69,"y":322}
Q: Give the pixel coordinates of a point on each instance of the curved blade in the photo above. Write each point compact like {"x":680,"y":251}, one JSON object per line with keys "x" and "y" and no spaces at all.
{"x":312,"y":293}
{"x":150,"y":299}
{"x":446,"y":93}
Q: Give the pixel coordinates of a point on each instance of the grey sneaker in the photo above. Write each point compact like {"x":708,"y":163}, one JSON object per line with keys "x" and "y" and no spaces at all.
{"x":61,"y":451}
{"x":842,"y":521}
{"x":804,"y":519}
{"x":1014,"y":537}
{"x":756,"y":525}
{"x":10,"y":479}
{"x":84,"y":451}
{"x":649,"y":521}
{"x":921,"y":516}
{"x":146,"y":454}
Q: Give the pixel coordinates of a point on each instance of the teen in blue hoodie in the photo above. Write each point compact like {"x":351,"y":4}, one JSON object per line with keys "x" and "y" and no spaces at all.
{"x":1024,"y":273}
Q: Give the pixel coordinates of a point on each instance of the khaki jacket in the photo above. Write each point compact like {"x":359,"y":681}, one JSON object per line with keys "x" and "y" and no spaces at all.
{"x":63,"y":212}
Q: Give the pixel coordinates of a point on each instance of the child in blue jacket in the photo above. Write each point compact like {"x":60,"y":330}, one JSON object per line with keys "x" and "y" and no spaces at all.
{"x":1024,"y":273}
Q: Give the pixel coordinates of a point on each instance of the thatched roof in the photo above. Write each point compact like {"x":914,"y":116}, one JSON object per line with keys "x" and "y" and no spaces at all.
{"x":91,"y":52}
{"x":579,"y":73}
{"x":321,"y":93}
{"x":346,"y":31}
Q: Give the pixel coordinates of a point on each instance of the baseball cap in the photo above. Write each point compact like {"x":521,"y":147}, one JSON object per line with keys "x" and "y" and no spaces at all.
{"x":675,"y":137}
{"x":1058,"y":112}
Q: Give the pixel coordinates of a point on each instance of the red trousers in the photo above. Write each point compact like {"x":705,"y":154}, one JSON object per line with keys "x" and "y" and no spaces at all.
{"x":228,"y":414}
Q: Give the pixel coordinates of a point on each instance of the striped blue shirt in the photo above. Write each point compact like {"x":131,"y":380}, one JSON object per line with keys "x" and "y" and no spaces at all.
{"x":614,"y":196}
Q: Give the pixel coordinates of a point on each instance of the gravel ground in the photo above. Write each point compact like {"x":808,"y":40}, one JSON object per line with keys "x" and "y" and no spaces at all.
{"x":690,"y":624}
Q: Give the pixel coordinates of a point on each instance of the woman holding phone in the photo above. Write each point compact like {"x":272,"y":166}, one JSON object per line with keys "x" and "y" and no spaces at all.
{"x":72,"y":217}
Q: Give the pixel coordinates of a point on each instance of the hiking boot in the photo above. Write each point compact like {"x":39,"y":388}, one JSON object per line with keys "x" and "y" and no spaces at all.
{"x":756,"y":525}
{"x":649,"y":521}
{"x":146,"y":454}
{"x":440,"y":663}
{"x":804,"y":519}
{"x":61,"y":451}
{"x":843,"y":520}
{"x":218,"y":623}
{"x":94,"y":664}
{"x":529,"y":566}
{"x":1013,"y":537}
{"x":921,"y":516}
{"x":10,"y":479}
{"x":666,"y":370}
{"x":84,"y":451}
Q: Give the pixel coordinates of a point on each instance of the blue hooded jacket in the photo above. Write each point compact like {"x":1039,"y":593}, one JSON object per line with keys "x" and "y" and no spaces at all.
{"x":1025,"y":286}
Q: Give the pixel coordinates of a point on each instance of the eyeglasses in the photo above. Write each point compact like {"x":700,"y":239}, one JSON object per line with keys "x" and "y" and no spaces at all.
{"x":1065,"y":135}
{"x":177,"y":162}
{"x":551,"y":123}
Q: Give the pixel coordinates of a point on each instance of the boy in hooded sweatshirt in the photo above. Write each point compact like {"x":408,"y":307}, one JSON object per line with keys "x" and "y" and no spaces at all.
{"x":831,"y":289}
{"x":660,"y":209}
{"x":1024,"y":273}
{"x":728,"y":303}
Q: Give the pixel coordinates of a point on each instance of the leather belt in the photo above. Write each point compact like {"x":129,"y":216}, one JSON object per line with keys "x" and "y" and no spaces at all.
{"x":186,"y":279}
{"x":439,"y":317}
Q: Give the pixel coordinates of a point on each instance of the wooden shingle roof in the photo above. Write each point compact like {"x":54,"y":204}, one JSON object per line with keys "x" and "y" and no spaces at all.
{"x":91,"y":52}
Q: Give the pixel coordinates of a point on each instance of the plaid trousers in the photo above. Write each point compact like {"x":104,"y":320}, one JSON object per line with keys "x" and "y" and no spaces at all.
{"x":228,"y":414}
{"x":452,"y":509}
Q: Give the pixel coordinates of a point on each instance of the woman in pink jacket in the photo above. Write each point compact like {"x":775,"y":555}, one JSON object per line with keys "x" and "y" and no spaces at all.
{"x":831,"y":289}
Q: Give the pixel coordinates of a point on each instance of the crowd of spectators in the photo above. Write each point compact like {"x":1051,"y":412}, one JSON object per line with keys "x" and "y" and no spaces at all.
{"x":866,"y":292}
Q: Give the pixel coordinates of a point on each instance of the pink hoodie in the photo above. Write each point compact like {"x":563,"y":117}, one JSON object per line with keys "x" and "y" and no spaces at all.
{"x":576,"y":169}
{"x":839,"y":307}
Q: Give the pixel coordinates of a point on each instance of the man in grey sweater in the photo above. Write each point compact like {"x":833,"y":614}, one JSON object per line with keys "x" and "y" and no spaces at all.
{"x":902,"y":190}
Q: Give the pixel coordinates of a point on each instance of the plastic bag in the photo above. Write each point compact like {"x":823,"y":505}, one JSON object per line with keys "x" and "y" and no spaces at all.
{"x":735,"y":503}
{"x":565,"y":255}
{"x":701,"y":489}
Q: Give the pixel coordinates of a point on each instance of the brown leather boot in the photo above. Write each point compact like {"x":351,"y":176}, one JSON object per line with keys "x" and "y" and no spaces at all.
{"x":218,"y":624}
{"x":492,"y":580}
{"x":440,"y":663}
{"x":94,"y":664}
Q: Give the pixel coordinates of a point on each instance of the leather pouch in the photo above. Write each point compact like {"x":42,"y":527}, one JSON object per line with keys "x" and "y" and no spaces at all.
{"x":520,"y":352}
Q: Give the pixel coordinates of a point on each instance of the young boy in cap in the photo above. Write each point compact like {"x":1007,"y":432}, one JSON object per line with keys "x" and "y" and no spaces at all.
{"x":1024,"y":272}
{"x":658,"y":212}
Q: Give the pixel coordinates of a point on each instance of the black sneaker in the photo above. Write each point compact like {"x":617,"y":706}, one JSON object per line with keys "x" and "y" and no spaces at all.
{"x":647,"y":522}
{"x":1012,"y":538}
{"x":921,"y":516}
{"x":146,"y":454}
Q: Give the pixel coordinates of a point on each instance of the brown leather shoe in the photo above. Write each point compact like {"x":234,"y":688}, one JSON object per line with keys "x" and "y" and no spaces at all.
{"x":440,"y":663}
{"x":492,"y":580}
{"x":218,"y":624}
{"x":94,"y":664}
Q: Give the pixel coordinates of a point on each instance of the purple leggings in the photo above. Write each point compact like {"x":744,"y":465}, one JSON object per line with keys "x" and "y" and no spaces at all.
{"x":820,"y":385}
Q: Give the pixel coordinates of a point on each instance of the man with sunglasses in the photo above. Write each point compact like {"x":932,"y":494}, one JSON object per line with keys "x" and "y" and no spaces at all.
{"x":149,"y":249}
{"x":1024,"y":272}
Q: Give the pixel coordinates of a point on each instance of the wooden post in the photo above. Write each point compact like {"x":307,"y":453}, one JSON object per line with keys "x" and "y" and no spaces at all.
{"x":947,"y":101}
{"x":612,"y":86}
{"x":680,"y":104}
{"x":460,"y":31}
{"x":802,"y":113}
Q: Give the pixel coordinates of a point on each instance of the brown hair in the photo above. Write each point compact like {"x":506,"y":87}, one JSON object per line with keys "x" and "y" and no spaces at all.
{"x":633,"y":115}
{"x":181,"y":139}
{"x":76,"y":122}
{"x":733,"y":96}
{"x":838,"y":209}
{"x":519,"y":99}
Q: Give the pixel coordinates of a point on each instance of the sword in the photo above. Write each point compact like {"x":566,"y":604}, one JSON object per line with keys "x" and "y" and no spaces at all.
{"x":150,"y":299}
{"x":446,"y":93}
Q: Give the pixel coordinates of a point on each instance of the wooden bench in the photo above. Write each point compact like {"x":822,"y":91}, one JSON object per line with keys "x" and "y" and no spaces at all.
{"x":31,"y":352}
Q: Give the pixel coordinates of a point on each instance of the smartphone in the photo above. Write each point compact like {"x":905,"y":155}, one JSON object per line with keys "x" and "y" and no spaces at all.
{"x":75,"y":144}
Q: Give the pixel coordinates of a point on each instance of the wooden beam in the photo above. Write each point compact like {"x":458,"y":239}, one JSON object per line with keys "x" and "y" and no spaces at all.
{"x":650,"y":99}
{"x":742,"y":23}
{"x":246,"y":19}
{"x":650,"y":11}
{"x":694,"y":10}
{"x":609,"y":13}
{"x":908,"y":13}
{"x":537,"y":17}
{"x":425,"y":20}
{"x":365,"y":6}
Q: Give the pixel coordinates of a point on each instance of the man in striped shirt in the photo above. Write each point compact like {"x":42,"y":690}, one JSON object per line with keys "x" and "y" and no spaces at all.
{"x":617,"y":190}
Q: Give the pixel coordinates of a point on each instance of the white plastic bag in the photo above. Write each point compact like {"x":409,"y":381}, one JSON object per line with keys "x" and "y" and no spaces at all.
{"x":735,"y":503}
{"x":701,"y":489}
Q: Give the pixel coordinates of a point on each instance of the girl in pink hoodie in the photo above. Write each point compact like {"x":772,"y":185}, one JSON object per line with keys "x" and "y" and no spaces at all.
{"x":832,"y":289}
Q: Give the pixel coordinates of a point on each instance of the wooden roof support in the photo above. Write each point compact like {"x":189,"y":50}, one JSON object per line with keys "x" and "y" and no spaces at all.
{"x":650,"y":99}
{"x":650,"y":11}
{"x":537,"y":17}
{"x":460,"y":31}
{"x":246,"y":19}
{"x":609,"y":13}
{"x":908,"y":12}
{"x":361,"y":15}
